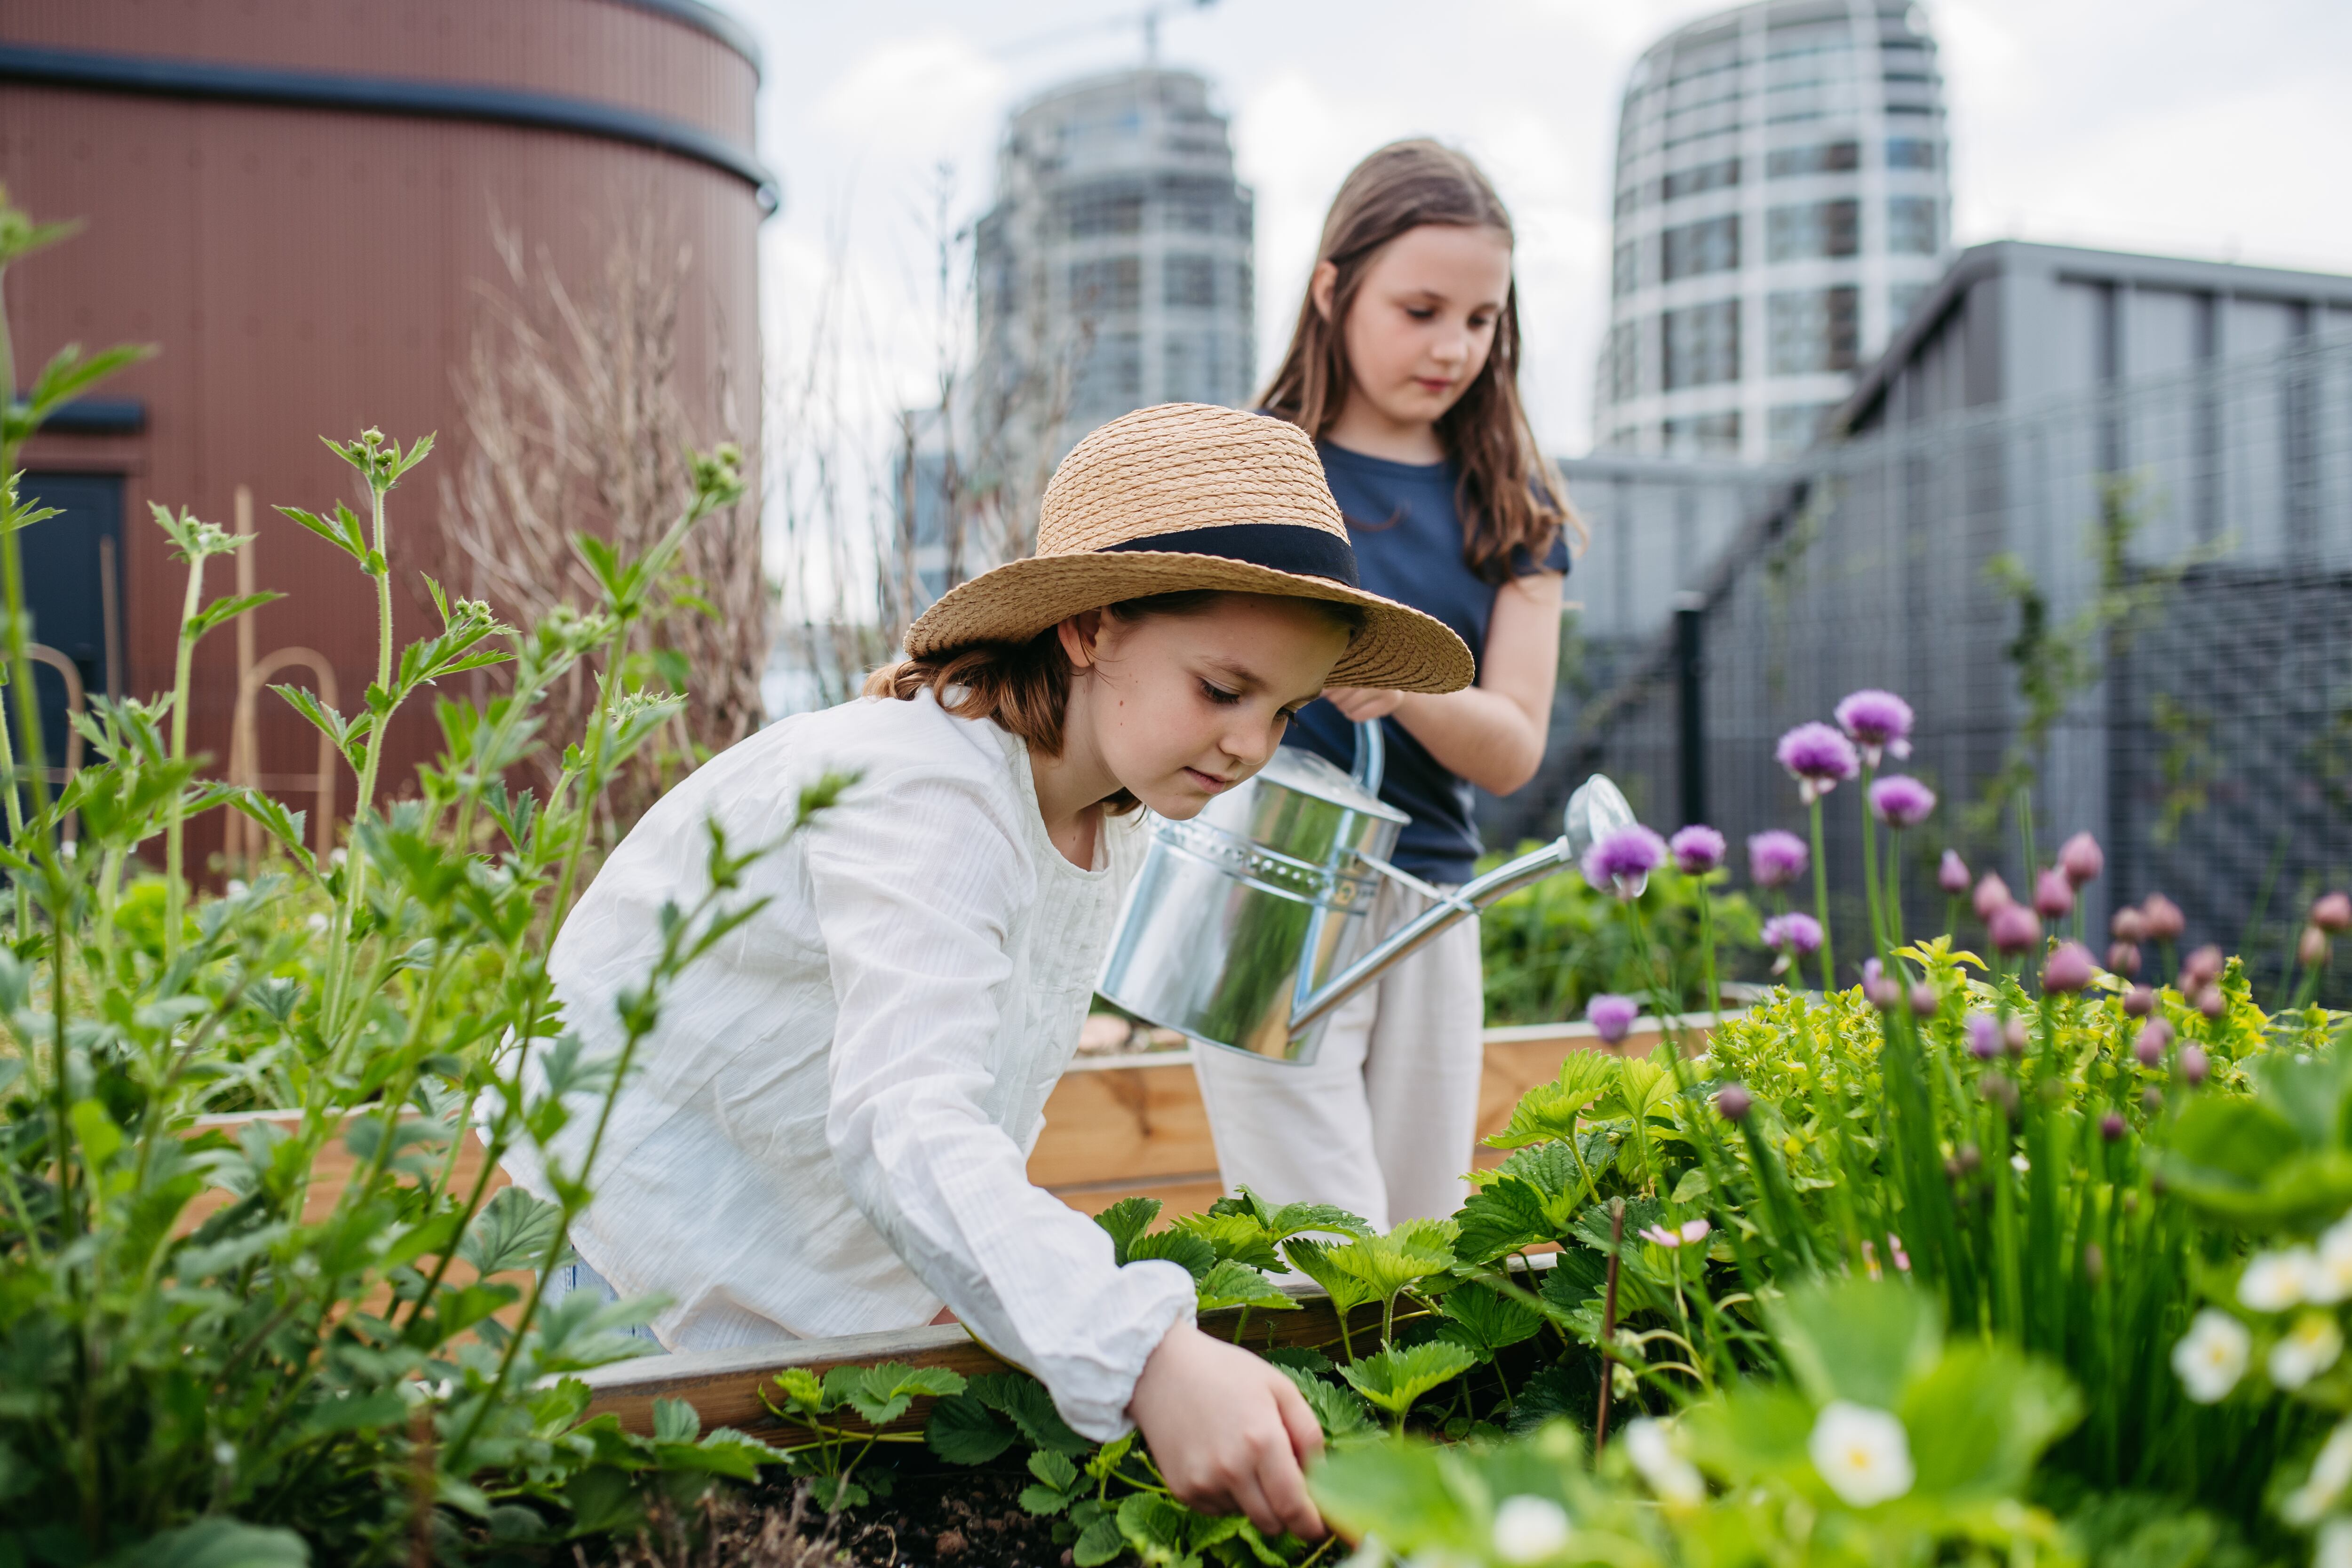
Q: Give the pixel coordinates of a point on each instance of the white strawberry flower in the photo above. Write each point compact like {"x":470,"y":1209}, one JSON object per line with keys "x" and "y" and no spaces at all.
{"x":2331,"y":1472}
{"x":2330,"y":1280}
{"x":1864,"y":1454}
{"x":2310,"y":1348}
{"x":2335,"y":1548}
{"x":2211,"y":1356}
{"x":1676,"y":1481}
{"x":2275,"y":1281}
{"x":1530,"y":1530}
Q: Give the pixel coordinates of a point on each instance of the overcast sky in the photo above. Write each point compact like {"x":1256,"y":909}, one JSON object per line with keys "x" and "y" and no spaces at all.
{"x":2212,"y":128}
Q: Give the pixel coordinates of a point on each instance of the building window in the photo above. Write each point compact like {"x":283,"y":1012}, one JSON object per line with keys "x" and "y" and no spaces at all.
{"x":1623,"y":374}
{"x":1190,"y":280}
{"x":1199,"y":206}
{"x":1794,"y":426}
{"x":1813,"y":329}
{"x":1103,"y":209}
{"x":1702,"y":344}
{"x":1718,"y":175}
{"x":1694,"y":248}
{"x":1829,"y":158}
{"x":1813,"y":228}
{"x":1627,"y":200}
{"x":1911,"y":226}
{"x":1110,"y":283}
{"x":1703,"y":436}
{"x":1625,"y":273}
{"x":1910,"y":152}
{"x":1195,"y":368}
{"x":1111,"y":378}
{"x":1904,"y":299}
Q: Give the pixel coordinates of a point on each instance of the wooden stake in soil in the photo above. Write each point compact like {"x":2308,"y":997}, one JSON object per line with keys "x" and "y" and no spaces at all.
{"x":1609,"y":1324}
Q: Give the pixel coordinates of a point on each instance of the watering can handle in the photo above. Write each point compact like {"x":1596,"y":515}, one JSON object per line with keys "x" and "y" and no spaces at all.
{"x":1371,"y":756}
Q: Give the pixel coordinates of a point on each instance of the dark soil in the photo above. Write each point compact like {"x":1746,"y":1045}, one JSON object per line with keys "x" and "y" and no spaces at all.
{"x":933,"y":1519}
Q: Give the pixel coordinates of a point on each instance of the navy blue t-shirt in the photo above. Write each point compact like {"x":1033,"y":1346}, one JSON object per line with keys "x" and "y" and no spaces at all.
{"x":1408,"y":539}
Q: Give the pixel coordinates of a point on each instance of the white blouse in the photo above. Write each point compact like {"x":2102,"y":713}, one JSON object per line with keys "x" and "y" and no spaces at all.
{"x":828,"y":1130}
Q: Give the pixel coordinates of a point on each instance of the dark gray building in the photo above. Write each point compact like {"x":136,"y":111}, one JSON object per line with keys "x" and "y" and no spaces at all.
{"x":2091,"y":513}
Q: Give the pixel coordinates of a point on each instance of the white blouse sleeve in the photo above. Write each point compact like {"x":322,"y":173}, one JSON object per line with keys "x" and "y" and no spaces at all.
{"x":913,"y":880}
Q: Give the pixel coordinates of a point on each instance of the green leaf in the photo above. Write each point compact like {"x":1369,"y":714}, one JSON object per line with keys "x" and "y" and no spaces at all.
{"x":1548,"y":1111}
{"x":963,"y":1430}
{"x":1857,"y":1339}
{"x":1022,"y":1400}
{"x":1126,"y":1220}
{"x":1340,"y":1412}
{"x":1099,"y":1542}
{"x":284,"y":825}
{"x":881,"y":1394}
{"x":217,"y":1544}
{"x":1229,"y":1284}
{"x":1196,"y":1256}
{"x":1393,"y":1378}
{"x":1981,"y":1418}
{"x":1491,"y":1319}
{"x":801,"y":1389}
{"x":512,"y":1231}
{"x":223,"y":610}
{"x":1234,"y":1237}
{"x":1057,"y":1483}
{"x":1502,"y":1217}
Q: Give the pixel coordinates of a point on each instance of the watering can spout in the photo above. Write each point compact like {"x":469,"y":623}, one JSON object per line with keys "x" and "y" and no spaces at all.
{"x":1597,"y":809}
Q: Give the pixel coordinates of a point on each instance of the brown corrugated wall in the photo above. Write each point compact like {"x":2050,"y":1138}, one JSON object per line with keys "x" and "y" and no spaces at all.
{"x":308,"y":272}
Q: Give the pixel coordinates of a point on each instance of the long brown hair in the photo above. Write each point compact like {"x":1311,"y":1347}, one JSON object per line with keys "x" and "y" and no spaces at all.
{"x":1510,"y":496}
{"x":1025,"y":687}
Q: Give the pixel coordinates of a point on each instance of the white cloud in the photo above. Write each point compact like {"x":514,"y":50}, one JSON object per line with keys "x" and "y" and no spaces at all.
{"x":913,"y":95}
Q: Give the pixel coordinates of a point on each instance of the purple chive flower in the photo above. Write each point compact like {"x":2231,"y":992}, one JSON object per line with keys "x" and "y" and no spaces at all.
{"x":2123,"y":958}
{"x":1901,"y":801}
{"x":1794,"y":936}
{"x":2013,"y":1036}
{"x":1924,"y":1000}
{"x":2014,"y":929}
{"x":2069,"y":969}
{"x":1697,"y":850}
{"x":1984,"y":1036}
{"x":1612,"y":1017}
{"x":1623,"y":860}
{"x":2112,"y":1127}
{"x":2332,"y":912}
{"x":1776,"y":858}
{"x":2054,"y":895}
{"x":2163,"y":917}
{"x":2194,"y":1064}
{"x":1879,"y":721}
{"x":1991,"y":895}
{"x":2081,"y":860}
{"x":1735,"y":1102}
{"x":2212,"y":1004}
{"x":2125,"y":925}
{"x":2312,"y":950}
{"x":1882,"y":990}
{"x":2138,"y":1001}
{"x":2153,"y":1037}
{"x":1952,"y":874}
{"x":1818,"y":758}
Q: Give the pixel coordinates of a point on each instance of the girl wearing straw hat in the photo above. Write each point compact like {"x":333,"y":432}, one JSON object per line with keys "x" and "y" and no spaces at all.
{"x":830,"y":1127}
{"x":1404,"y":367}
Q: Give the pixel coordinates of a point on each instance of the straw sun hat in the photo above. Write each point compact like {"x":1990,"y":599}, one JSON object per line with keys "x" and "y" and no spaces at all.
{"x":1185,"y":496}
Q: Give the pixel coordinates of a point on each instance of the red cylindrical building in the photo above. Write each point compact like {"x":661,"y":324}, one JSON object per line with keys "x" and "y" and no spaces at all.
{"x":294,"y":200}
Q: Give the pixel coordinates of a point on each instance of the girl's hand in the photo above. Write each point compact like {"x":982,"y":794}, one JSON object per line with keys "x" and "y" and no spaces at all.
{"x":1228,"y":1432}
{"x":1359,"y":703}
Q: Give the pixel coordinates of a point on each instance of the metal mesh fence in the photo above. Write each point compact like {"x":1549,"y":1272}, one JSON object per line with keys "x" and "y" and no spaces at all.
{"x":2128,"y":612}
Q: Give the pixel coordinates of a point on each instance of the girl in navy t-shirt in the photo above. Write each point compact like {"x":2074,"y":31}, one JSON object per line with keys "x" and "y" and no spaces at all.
{"x":1404,"y":368}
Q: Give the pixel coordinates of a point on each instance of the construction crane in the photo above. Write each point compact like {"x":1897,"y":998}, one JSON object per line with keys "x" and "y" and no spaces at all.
{"x":1147,"y":18}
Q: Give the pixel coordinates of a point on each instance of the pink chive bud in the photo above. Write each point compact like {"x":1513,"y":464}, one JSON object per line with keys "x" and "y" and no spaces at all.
{"x":2212,"y":1003}
{"x":2203,"y":967}
{"x":1924,"y":1000}
{"x":2069,"y":969}
{"x":2081,"y":859}
{"x":1984,"y":1036}
{"x":1895,"y":1254}
{"x":1883,"y":991}
{"x":1734,"y":1102}
{"x":2151,"y":1100}
{"x":2193,"y":1065}
{"x":2112,"y":1127}
{"x":2163,"y":917}
{"x":2123,"y":958}
{"x":2138,"y":1001}
{"x":2332,"y":912}
{"x":2054,"y":895}
{"x":2148,"y":1046}
{"x":1697,"y":850}
{"x":2312,"y":950}
{"x":2013,"y":1034}
{"x":1952,"y":874}
{"x":2014,"y":930}
{"x":1991,"y":897}
{"x":2126,"y":925}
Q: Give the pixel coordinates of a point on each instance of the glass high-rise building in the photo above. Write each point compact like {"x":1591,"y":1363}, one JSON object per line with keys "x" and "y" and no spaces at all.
{"x":1115,"y":269}
{"x":1782,"y":199}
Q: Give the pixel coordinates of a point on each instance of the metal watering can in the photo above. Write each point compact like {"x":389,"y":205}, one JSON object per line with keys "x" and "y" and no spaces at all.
{"x":1247,"y":926}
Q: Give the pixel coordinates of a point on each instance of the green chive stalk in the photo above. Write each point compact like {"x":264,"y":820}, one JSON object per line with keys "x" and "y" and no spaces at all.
{"x":1822,"y":900}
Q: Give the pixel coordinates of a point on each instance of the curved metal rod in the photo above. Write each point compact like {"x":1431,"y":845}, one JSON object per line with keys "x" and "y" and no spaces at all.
{"x":42,"y":653}
{"x":1411,"y":938}
{"x":244,"y":747}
